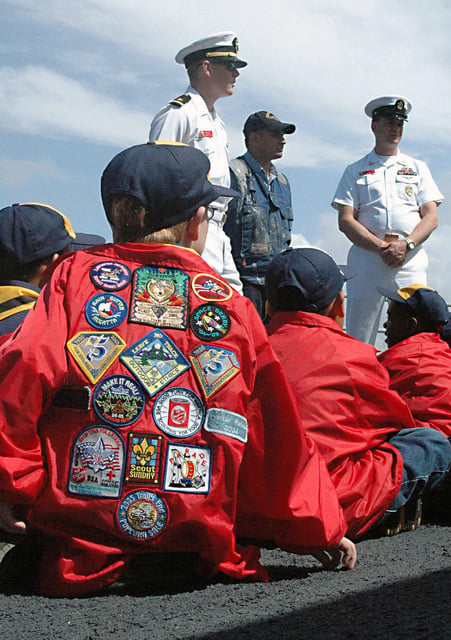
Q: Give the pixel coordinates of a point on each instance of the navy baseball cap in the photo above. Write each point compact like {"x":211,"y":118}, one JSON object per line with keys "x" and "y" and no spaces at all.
{"x":266,"y":120}
{"x":85,"y":240}
{"x":170,"y":179}
{"x":311,"y":271}
{"x":427,"y":304}
{"x":32,"y":231}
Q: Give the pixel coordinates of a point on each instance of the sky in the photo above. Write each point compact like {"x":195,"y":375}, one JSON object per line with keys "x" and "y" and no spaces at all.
{"x":81,"y":79}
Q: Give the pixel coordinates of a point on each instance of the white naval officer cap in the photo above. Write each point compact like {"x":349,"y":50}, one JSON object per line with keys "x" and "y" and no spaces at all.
{"x":222,"y":47}
{"x":393,"y":107}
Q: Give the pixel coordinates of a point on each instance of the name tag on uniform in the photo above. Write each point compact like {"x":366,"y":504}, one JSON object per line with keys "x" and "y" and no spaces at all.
{"x":205,"y":134}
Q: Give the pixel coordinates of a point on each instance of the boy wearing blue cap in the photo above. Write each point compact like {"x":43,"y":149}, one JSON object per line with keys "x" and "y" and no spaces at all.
{"x":379,"y":462}
{"x":152,"y":394}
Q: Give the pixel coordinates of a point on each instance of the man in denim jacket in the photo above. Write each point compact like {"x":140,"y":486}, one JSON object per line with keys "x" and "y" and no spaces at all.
{"x":259,"y":222}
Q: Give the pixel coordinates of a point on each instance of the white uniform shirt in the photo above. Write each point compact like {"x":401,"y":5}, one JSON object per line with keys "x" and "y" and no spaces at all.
{"x":387,"y":192}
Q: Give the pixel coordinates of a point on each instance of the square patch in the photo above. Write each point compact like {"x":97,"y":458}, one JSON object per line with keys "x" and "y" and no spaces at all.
{"x":187,"y":469}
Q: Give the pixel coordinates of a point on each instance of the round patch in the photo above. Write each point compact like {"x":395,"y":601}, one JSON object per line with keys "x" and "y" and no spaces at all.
{"x":210,"y":288}
{"x":106,"y":310}
{"x":210,"y":322}
{"x":110,"y":276}
{"x":118,"y":400}
{"x":142,"y":515}
{"x":179,"y":412}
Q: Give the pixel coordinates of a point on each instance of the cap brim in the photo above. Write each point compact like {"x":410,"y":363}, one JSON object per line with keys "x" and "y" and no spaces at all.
{"x":348,"y":272}
{"x":85,"y":240}
{"x":391,"y":295}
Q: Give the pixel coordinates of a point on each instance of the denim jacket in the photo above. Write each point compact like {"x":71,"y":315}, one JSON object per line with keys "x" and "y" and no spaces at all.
{"x":259,"y":221}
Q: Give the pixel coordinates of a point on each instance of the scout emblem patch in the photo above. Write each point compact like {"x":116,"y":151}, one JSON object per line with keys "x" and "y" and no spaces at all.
{"x":226,"y":423}
{"x":188,"y":469}
{"x":105,"y":311}
{"x":155,"y":361}
{"x":97,"y":463}
{"x":160,"y":297}
{"x":143,"y":458}
{"x":95,"y":352}
{"x":213,"y":367}
{"x":142,"y":515}
{"x":110,"y":276}
{"x":118,"y":400}
{"x":210,"y":322}
{"x":178,"y":412}
{"x":210,"y":288}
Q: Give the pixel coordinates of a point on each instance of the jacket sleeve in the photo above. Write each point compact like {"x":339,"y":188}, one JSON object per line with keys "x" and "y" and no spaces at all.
{"x":32,"y":366}
{"x":285,"y":488}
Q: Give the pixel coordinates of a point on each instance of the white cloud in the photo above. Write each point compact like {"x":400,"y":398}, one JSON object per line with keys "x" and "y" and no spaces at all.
{"x":19,"y":173}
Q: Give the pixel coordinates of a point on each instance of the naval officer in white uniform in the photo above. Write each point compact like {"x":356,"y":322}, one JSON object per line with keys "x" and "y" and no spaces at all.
{"x":212,"y":65}
{"x":387,"y":206}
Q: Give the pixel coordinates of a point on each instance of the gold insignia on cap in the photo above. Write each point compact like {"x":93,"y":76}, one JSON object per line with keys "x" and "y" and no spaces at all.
{"x":399,"y":105}
{"x":270,"y":116}
{"x":235,"y":44}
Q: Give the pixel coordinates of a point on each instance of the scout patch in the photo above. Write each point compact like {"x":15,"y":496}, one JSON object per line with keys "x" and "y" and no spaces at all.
{"x":178,"y":412}
{"x":155,"y":361}
{"x":110,"y":276}
{"x":210,"y":288}
{"x":97,"y":463}
{"x":210,"y":322}
{"x":118,"y":400}
{"x":213,"y":367}
{"x":105,"y":310}
{"x":227,"y":423}
{"x":188,"y":469}
{"x":95,"y":352}
{"x":408,"y":189}
{"x":160,"y":297}
{"x":143,"y":458}
{"x":142,"y":515}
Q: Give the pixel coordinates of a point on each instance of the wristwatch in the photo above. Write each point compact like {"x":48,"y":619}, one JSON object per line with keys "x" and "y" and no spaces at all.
{"x":410,"y":245}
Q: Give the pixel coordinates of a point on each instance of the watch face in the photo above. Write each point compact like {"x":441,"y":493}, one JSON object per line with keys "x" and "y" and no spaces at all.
{"x":410,"y":244}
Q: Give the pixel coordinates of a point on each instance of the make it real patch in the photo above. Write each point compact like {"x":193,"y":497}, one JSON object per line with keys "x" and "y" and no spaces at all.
{"x":160,"y":297}
{"x":118,"y":400}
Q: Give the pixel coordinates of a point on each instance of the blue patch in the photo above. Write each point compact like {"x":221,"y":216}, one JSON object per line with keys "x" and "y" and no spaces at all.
{"x":155,"y":361}
{"x":106,"y":311}
{"x":178,"y":412}
{"x":95,"y":352}
{"x":160,"y":297}
{"x":118,"y":400}
{"x":210,"y":322}
{"x":226,"y":423}
{"x":188,"y":468}
{"x":144,"y":458}
{"x":142,"y":515}
{"x":110,"y":275}
{"x":213,"y":367}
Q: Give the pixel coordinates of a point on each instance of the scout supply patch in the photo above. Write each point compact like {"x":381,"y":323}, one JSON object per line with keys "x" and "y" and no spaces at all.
{"x":210,"y":288}
{"x":106,"y":311}
{"x":178,"y":412}
{"x":213,"y":367}
{"x":110,"y":275}
{"x":210,"y":322}
{"x":187,"y":469}
{"x":142,"y":515}
{"x":143,"y":458}
{"x":155,"y":361}
{"x":118,"y":400}
{"x":97,"y":463}
{"x":160,"y":297}
{"x":226,"y":423}
{"x":95,"y":352}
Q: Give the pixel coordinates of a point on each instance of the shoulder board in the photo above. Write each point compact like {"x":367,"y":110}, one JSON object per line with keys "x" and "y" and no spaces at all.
{"x":181,"y":100}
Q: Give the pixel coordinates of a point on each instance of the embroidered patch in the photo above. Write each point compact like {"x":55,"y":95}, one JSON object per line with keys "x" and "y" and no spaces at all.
{"x":409,"y":190}
{"x":209,"y":288}
{"x":227,"y":423}
{"x":106,"y":310}
{"x":179,"y":412}
{"x":97,"y":463}
{"x":118,"y":400}
{"x":110,"y":275}
{"x":143,"y":458}
{"x":142,"y":514}
{"x":160,"y":297}
{"x":187,"y":469}
{"x":366,"y":173}
{"x":213,"y":367}
{"x":210,"y":322}
{"x":155,"y":361}
{"x":95,"y":352}
{"x":407,"y":172}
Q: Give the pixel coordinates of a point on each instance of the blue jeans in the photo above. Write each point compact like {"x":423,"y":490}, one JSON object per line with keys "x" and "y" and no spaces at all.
{"x":426,"y":454}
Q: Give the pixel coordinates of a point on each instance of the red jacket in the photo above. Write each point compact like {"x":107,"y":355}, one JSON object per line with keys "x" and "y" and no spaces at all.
{"x":420,"y":371}
{"x":347,"y":408}
{"x":119,"y":439}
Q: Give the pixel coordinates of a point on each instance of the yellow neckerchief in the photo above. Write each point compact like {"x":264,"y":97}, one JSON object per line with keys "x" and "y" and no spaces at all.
{"x":14,"y":299}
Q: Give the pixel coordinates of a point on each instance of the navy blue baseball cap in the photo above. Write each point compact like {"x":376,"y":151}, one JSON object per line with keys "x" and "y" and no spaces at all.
{"x":426,"y":304}
{"x":33,"y":231}
{"x":311,"y":271}
{"x":170,"y":179}
{"x":266,"y":120}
